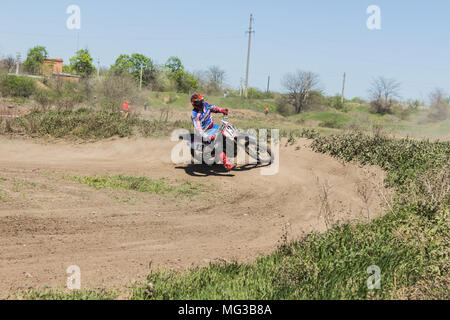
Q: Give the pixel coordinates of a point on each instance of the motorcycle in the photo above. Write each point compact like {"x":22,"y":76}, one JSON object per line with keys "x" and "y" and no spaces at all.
{"x":228,"y":135}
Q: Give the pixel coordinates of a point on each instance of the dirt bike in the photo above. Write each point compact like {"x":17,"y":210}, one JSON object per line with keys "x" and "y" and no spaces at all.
{"x":227,"y":134}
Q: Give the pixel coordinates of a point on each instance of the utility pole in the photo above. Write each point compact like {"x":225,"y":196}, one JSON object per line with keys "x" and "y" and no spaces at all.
{"x":268,"y":84}
{"x":140,"y":81}
{"x":240,"y":88}
{"x":17,"y":63}
{"x":343,"y":88}
{"x":98,"y":69}
{"x":250,"y":31}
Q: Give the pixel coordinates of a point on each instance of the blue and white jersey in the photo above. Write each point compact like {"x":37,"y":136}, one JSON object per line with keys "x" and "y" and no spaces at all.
{"x":202,"y":120}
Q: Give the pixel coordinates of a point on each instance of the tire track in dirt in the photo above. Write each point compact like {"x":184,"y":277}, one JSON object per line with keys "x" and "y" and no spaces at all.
{"x":49,"y":223}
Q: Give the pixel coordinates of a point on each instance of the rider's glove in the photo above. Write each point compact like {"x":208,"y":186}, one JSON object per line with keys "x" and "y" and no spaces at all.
{"x":211,"y":138}
{"x":225,"y":111}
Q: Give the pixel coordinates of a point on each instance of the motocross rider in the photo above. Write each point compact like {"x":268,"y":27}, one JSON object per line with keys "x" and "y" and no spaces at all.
{"x":204,"y":125}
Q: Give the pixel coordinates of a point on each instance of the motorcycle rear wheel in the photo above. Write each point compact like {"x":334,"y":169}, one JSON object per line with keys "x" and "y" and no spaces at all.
{"x":258,"y":155}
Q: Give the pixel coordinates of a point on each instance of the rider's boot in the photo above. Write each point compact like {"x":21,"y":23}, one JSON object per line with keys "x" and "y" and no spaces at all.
{"x":228,"y":165}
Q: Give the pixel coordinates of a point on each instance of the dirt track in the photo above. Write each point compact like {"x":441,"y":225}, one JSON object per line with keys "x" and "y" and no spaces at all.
{"x":48,"y":223}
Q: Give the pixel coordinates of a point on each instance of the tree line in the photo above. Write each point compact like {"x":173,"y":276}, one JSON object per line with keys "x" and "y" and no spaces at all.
{"x":302,"y":88}
{"x":170,"y":76}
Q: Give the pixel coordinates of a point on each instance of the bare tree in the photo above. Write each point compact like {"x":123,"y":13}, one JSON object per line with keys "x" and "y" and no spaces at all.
{"x":299,"y":85}
{"x":439,"y":106}
{"x":202,"y":77}
{"x":216,"y":75}
{"x":9,"y":63}
{"x":211,"y":80}
{"x":382,"y":92}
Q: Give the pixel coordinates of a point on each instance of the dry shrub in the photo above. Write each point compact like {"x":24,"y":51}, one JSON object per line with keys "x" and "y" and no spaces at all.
{"x":113,"y":90}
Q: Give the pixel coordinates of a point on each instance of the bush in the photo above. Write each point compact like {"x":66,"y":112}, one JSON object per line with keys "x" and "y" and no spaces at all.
{"x":284,"y":107}
{"x":66,"y":95}
{"x":381,"y":106}
{"x":44,"y":97}
{"x":316,"y":100}
{"x":335,"y":102}
{"x":16,"y":86}
{"x":331,"y":123}
{"x":86,"y":124}
{"x":113,"y":90}
{"x":413,"y":166}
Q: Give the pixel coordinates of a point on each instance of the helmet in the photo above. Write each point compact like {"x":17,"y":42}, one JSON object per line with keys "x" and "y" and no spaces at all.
{"x":197,"y":100}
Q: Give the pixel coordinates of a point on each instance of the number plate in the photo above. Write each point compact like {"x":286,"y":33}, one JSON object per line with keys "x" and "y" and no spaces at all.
{"x":229,"y":131}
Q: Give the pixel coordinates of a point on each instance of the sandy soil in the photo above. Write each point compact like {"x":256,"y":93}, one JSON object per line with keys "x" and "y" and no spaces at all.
{"x":48,"y":222}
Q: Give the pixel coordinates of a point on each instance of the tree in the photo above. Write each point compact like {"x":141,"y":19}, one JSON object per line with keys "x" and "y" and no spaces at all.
{"x":82,"y":63}
{"x":9,"y":63}
{"x":175,"y":71}
{"x":35,"y":59}
{"x":189,"y":83}
{"x":132,"y":65}
{"x":439,"y":106}
{"x":185,"y":81}
{"x":216,"y":76}
{"x":382,"y":92}
{"x":174,"y":66}
{"x":211,"y":80}
{"x":68,"y":69}
{"x":299,"y":85}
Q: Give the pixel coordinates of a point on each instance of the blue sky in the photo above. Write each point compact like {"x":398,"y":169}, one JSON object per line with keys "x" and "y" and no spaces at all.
{"x":328,"y":37}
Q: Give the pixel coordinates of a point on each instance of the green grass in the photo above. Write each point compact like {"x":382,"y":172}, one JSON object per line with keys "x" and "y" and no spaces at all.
{"x":142,"y":184}
{"x":20,"y":185}
{"x":182,"y":100}
{"x":332,"y":265}
{"x":50,"y":294}
{"x":239,"y":103}
{"x":327,"y":119}
{"x":409,"y":244}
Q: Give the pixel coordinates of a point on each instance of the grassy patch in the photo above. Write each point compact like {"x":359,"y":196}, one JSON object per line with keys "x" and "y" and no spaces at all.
{"x":87,"y":124}
{"x":323,"y":116}
{"x":142,"y":184}
{"x":50,"y":294}
{"x":16,"y":86}
{"x":181,"y":100}
{"x":332,"y":265}
{"x":20,"y":185}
